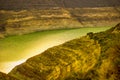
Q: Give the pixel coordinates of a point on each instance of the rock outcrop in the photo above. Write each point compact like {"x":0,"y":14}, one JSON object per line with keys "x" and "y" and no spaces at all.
{"x":31,"y":16}
{"x":43,"y":4}
{"x":27,"y":21}
{"x":6,"y":77}
{"x":95,"y":56}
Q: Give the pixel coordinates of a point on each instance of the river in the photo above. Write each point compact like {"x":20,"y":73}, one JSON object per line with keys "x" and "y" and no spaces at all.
{"x":15,"y":50}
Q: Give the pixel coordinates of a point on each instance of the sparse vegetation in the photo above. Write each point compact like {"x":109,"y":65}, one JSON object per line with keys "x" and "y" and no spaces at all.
{"x":95,"y":56}
{"x":27,"y":21}
{"x":6,"y":77}
{"x":30,"y":41}
{"x":92,"y":57}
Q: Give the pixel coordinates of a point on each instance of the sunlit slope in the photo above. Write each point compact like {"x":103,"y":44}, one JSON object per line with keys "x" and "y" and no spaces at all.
{"x":14,"y":50}
{"x":94,"y":56}
{"x":19,"y":47}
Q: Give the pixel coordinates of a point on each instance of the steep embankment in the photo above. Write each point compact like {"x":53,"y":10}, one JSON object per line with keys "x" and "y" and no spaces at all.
{"x":42,"y":4}
{"x":6,"y":77}
{"x":26,"y":16}
{"x":95,"y":56}
{"x":27,"y":21}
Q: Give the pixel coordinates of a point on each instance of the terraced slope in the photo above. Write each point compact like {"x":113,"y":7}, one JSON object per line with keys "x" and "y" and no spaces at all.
{"x":42,"y":4}
{"x":27,"y":21}
{"x":25,"y":16}
{"x":95,"y":56}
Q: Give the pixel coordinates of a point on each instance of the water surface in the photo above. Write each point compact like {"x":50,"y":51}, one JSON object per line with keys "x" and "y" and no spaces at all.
{"x":14,"y":50}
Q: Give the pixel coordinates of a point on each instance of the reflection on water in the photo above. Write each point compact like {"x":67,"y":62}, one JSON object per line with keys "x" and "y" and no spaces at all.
{"x":17,"y":49}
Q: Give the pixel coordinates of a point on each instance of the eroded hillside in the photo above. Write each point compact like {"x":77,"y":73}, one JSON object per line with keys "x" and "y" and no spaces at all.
{"x":95,"y":56}
{"x":27,"y":21}
{"x":43,"y":4}
{"x":6,"y":77}
{"x":25,"y":16}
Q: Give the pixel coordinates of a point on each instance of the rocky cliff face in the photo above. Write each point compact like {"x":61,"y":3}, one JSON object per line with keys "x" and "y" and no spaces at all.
{"x":25,"y":16}
{"x":95,"y":56}
{"x":42,"y":4}
{"x":6,"y":77}
{"x":27,"y":21}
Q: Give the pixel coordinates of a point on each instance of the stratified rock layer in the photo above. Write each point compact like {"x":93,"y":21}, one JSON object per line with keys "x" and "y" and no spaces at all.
{"x":25,"y":16}
{"x":28,"y":21}
{"x":42,"y":4}
{"x":95,"y":56}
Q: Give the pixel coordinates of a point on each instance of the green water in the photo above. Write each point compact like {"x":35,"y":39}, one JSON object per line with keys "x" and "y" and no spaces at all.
{"x":22,"y":47}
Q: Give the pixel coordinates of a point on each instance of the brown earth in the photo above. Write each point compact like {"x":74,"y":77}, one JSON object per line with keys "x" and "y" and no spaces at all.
{"x":41,"y":4}
{"x":25,"y":16}
{"x":95,"y":56}
{"x":27,"y":21}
